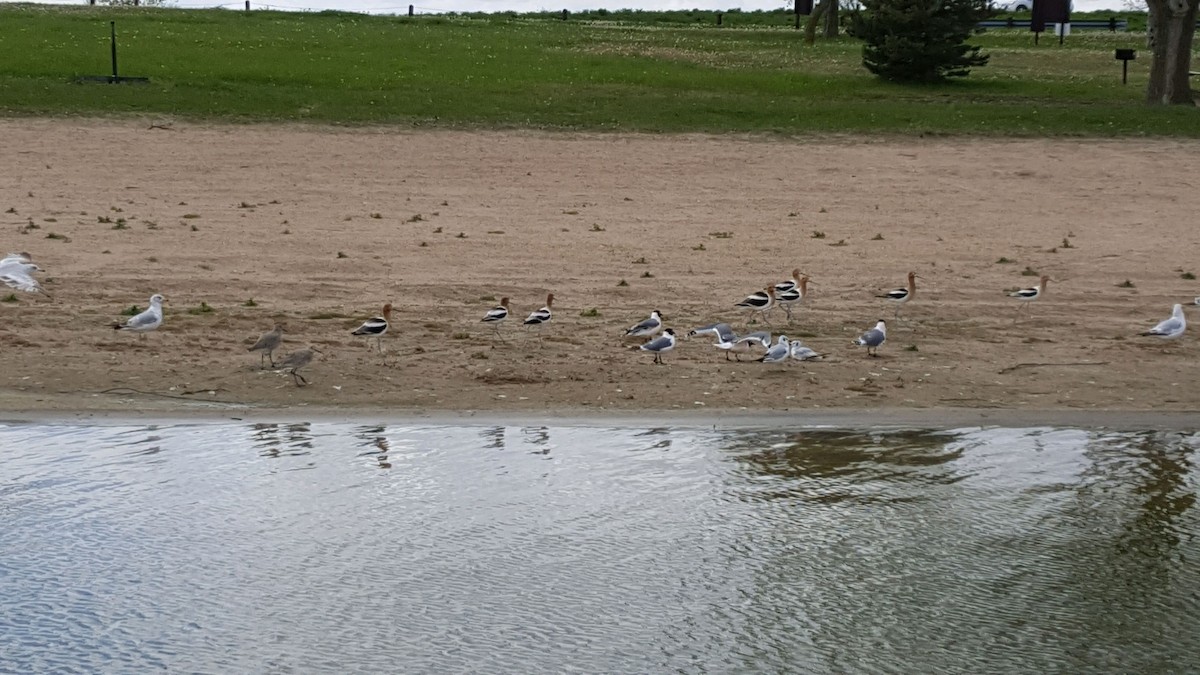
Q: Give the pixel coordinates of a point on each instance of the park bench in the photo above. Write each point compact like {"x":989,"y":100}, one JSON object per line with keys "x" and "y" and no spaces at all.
{"x":1112,"y":25}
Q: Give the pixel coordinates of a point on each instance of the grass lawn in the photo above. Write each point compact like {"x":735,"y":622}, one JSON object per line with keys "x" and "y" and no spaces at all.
{"x":628,"y":72}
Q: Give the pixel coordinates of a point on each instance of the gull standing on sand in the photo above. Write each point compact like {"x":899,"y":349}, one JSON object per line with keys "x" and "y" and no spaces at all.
{"x":779,"y":352}
{"x":267,"y":344}
{"x":375,"y":327}
{"x":903,"y":295}
{"x":297,"y":360}
{"x":873,"y":338}
{"x":1028,"y":295}
{"x":16,"y":271}
{"x":542,"y":316}
{"x":496,"y":316}
{"x":722,"y":331}
{"x":647,"y":328}
{"x":661,"y":345}
{"x":148,"y":320}
{"x":1169,"y":329}
{"x":744,"y":344}
{"x":759,"y":302}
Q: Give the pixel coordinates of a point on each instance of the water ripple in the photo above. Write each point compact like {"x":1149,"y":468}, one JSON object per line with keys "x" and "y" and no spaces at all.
{"x":302,"y":547}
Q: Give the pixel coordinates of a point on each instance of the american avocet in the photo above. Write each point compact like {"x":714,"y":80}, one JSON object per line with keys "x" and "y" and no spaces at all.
{"x":790,"y":283}
{"x":802,"y":353}
{"x":648,"y":327}
{"x":778,"y":353}
{"x":873,"y":338}
{"x":16,"y":271}
{"x":792,"y":296}
{"x":1170,"y":329}
{"x":297,"y":360}
{"x":148,"y":320}
{"x":722,"y":331}
{"x":744,"y":344}
{"x":1028,"y":295}
{"x":903,"y":295}
{"x":496,"y":316}
{"x":376,"y":327}
{"x":759,"y":302}
{"x":268,"y":343}
{"x":542,"y":316}
{"x":661,"y":344}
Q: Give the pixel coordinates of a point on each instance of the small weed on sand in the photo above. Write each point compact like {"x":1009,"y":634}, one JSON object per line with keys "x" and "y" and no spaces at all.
{"x":203,"y":308}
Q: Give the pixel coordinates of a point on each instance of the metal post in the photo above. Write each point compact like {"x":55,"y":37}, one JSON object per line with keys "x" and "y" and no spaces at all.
{"x":112,"y":25}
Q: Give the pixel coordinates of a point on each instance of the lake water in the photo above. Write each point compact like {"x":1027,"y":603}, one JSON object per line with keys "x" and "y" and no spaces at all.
{"x":332,"y":547}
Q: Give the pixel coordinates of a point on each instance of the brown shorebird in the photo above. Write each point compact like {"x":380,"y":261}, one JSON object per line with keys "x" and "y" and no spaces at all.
{"x":376,"y":327}
{"x":496,"y":316}
{"x":297,"y":360}
{"x":903,"y":295}
{"x":268,"y":343}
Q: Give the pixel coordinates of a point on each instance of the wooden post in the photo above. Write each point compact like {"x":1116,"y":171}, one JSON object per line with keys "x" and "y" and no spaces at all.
{"x":410,"y":10}
{"x":247,"y":5}
{"x":112,"y":26}
{"x":718,"y":18}
{"x":797,"y":14}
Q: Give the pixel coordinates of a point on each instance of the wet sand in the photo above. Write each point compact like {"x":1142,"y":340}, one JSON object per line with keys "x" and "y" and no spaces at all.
{"x":320,"y":226}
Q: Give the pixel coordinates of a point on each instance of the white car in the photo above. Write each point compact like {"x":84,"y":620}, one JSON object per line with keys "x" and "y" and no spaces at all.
{"x":1012,"y":5}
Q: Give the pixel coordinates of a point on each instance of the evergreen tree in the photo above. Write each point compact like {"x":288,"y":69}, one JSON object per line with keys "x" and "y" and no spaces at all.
{"x":919,"y":40}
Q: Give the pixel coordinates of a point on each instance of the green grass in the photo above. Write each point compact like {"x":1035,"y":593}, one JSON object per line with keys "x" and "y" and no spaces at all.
{"x":633,"y":71}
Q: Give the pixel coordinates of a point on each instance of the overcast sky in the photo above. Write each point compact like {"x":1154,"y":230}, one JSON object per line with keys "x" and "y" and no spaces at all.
{"x":437,"y":6}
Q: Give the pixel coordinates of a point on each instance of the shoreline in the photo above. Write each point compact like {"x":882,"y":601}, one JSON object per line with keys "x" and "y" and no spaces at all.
{"x":315,"y":228}
{"x":846,"y":418}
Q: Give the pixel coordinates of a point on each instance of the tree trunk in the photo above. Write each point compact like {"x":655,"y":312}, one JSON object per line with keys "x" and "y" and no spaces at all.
{"x":810,"y":29}
{"x":831,"y":20}
{"x":1169,"y":31}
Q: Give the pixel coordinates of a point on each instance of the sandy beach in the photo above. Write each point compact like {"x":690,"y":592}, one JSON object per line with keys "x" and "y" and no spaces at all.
{"x":318,"y":227}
